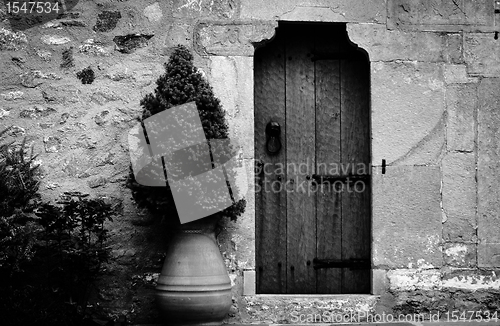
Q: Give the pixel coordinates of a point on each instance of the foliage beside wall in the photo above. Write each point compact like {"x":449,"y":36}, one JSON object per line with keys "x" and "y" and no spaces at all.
{"x":182,"y":83}
{"x":18,"y":187}
{"x":50,"y":254}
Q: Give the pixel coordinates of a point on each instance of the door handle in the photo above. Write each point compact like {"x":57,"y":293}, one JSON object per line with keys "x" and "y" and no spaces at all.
{"x":273,"y":133}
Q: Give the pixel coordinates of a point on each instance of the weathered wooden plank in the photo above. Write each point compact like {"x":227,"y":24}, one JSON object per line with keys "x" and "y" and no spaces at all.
{"x":300,"y":125}
{"x":328,"y":201}
{"x":270,"y":202}
{"x":355,"y":144}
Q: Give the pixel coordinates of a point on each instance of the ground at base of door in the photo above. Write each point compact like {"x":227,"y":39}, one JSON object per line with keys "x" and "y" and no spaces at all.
{"x":425,"y":323}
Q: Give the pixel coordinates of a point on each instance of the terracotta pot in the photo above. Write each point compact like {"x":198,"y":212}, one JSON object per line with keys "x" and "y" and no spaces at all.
{"x":194,"y":287}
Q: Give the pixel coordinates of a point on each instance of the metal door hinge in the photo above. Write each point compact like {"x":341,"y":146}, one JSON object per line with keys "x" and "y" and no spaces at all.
{"x":339,"y":263}
{"x":319,"y":178}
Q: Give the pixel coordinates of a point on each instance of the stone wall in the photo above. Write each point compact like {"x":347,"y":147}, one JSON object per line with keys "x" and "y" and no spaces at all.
{"x":433,"y":110}
{"x":72,"y":87}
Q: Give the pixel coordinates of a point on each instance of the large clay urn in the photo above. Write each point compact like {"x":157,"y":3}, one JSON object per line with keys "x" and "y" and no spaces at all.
{"x":194,"y":287}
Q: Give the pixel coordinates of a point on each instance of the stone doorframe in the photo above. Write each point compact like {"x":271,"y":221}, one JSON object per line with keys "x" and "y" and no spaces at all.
{"x":230,"y":47}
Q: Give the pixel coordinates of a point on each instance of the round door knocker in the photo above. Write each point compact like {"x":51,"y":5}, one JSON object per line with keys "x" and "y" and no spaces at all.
{"x":273,"y":131}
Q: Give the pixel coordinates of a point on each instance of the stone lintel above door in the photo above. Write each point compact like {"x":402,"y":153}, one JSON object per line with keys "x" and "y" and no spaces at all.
{"x":241,"y":37}
{"x":234,"y":38}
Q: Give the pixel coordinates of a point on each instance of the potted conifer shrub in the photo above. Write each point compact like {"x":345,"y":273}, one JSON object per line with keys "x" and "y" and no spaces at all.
{"x":193,"y":287}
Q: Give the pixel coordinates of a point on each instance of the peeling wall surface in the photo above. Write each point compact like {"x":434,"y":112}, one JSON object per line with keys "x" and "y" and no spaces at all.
{"x":72,"y":87}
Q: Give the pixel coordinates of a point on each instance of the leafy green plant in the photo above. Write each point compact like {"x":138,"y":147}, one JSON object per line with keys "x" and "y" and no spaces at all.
{"x":18,"y":176}
{"x":19,"y":183}
{"x":181,"y":83}
{"x":18,"y":234}
{"x":72,"y":244}
{"x":68,"y":250}
{"x":50,"y":254}
{"x":74,"y":232}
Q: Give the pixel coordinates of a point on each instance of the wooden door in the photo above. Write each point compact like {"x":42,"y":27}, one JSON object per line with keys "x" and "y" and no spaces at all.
{"x":313,"y":211}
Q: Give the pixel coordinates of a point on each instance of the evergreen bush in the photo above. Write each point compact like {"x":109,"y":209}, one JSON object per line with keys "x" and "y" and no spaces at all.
{"x":182,"y":83}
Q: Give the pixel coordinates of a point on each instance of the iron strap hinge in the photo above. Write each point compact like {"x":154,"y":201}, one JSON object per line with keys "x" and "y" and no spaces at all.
{"x":334,"y":56}
{"x":320,"y":178}
{"x":339,"y":263}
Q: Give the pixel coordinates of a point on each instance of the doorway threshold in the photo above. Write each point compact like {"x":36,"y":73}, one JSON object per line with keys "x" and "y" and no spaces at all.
{"x":310,"y":308}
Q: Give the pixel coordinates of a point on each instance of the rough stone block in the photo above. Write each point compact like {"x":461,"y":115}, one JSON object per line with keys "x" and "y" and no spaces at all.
{"x":12,"y":41}
{"x":350,"y":10}
{"x":482,"y":54}
{"x":28,"y":80}
{"x":10,"y":79}
{"x":131,"y":42}
{"x":12,"y":96}
{"x":215,"y":9}
{"x":95,"y":47}
{"x":4,"y":112}
{"x":463,"y":279}
{"x":449,"y":291}
{"x":454,"y":48}
{"x":36,"y":112}
{"x":52,"y":144}
{"x":412,"y":279}
{"x":488,"y":160}
{"x":238,"y":238}
{"x":459,"y":254}
{"x":16,"y":131}
{"x":248,"y":282}
{"x":179,"y":33}
{"x":304,"y":309}
{"x":102,"y":96}
{"x":235,"y":38}
{"x":386,"y":45}
{"x":379,"y":281}
{"x":245,"y":225}
{"x":64,"y":117}
{"x":232,"y":81}
{"x":313,"y":14}
{"x":407,"y":217}
{"x":153,"y":12}
{"x":61,"y":93}
{"x":459,"y":197}
{"x":470,"y":279}
{"x":107,"y":21}
{"x":488,"y":254}
{"x":97,"y":182}
{"x":133,"y":72}
{"x":55,"y":39}
{"x":45,"y":55}
{"x":457,"y":74}
{"x":461,"y":101}
{"x":65,"y":23}
{"x":408,"y":112}
{"x":438,"y":15}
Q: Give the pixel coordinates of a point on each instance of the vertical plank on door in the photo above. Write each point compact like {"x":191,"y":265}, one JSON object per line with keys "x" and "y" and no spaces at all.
{"x":270,"y":202}
{"x":355,"y":142}
{"x":328,"y":201}
{"x":300,"y":125}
